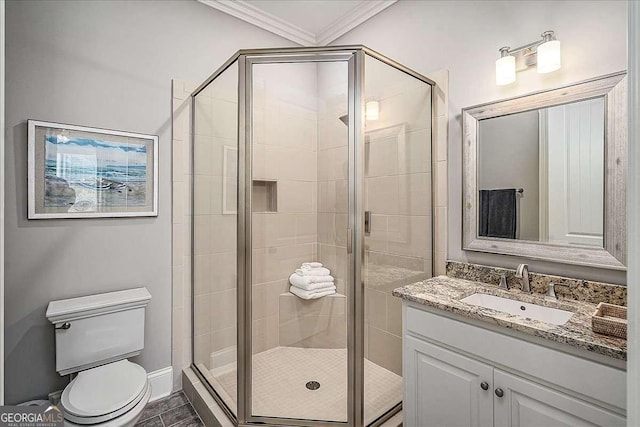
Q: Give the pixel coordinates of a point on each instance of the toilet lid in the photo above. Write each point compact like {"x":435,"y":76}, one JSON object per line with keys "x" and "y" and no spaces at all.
{"x":104,"y":389}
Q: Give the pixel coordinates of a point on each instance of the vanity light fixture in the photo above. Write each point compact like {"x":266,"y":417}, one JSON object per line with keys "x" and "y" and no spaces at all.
{"x":505,"y":68}
{"x":544,"y":53}
{"x":548,"y":53}
{"x":372,"y":110}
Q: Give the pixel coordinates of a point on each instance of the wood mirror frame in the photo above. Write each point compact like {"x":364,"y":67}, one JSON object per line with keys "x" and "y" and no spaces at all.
{"x":614,"y":253}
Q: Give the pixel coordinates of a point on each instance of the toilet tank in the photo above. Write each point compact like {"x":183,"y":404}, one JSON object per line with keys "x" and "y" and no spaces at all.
{"x":98,"y":329}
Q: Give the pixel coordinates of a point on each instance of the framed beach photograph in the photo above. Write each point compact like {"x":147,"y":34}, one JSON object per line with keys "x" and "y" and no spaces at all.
{"x":83,"y":172}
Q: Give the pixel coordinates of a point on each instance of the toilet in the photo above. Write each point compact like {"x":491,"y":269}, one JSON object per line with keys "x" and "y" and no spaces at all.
{"x":94,"y":337}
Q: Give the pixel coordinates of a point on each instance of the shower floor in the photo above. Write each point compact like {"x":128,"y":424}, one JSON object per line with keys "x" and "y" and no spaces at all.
{"x":279,"y":383}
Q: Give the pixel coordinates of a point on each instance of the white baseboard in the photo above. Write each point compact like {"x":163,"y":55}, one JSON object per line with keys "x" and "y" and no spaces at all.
{"x":161,"y":383}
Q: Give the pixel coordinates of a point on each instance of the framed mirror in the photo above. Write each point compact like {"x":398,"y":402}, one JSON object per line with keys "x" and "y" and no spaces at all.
{"x":544,"y":175}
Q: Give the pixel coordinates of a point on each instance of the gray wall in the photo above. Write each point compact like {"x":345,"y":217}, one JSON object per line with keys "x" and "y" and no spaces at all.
{"x":508,"y":157}
{"x":464,"y":37}
{"x":110,"y":65}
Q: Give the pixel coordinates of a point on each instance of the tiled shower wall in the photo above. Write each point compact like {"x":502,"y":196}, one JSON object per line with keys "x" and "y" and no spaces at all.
{"x":285,"y":152}
{"x":322,"y":323}
{"x":398,"y":183}
{"x":214,"y":239}
{"x":333,"y":163}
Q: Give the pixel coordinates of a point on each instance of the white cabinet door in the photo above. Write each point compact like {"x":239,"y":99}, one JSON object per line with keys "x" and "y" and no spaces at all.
{"x":527,"y":404}
{"x":443,"y":388}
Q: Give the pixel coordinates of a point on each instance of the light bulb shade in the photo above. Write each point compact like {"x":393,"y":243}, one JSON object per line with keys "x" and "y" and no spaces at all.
{"x":505,"y":70}
{"x":372,"y":110}
{"x":549,"y":56}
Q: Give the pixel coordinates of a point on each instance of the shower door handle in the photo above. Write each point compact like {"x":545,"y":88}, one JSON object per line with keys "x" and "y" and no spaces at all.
{"x":367,"y":222}
{"x":349,"y":241}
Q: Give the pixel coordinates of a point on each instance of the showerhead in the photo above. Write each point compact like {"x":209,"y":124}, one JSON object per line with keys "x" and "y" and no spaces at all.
{"x":344,"y":119}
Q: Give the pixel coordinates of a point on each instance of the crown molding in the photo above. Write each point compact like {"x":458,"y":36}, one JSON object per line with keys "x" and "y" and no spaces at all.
{"x":356,"y":16}
{"x":264,"y":20}
{"x":258,"y":17}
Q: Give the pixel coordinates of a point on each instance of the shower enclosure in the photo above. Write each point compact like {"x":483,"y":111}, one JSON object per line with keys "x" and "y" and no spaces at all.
{"x":308,"y":154}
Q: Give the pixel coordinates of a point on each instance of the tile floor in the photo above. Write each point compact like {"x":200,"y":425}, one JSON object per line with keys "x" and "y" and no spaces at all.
{"x":279,"y":384}
{"x":172,"y":411}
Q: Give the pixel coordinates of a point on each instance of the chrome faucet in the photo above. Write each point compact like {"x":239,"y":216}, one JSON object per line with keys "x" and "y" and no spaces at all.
{"x":503,"y":282}
{"x":551,"y":291}
{"x":523,"y":273}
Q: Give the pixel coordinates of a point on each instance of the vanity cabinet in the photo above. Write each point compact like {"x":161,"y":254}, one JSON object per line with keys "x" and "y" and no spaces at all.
{"x":459,"y":374}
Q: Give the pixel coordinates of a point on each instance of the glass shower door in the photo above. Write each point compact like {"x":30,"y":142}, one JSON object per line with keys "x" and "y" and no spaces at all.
{"x":214,"y":256}
{"x":299,"y":209}
{"x":397,"y":220}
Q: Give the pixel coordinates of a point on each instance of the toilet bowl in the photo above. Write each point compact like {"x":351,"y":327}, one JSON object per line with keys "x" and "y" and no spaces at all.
{"x":94,"y":337}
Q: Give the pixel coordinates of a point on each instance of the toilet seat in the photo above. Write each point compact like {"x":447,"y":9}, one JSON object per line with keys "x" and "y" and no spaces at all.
{"x":128,"y":419}
{"x":104,"y":393}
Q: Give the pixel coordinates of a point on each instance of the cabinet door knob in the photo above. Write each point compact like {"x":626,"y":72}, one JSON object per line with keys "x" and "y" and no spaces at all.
{"x":484,"y":385}
{"x":499,"y":392}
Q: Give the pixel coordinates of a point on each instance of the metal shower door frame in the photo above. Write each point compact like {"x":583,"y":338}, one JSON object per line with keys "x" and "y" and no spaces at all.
{"x":355,"y":340}
{"x":355,"y":58}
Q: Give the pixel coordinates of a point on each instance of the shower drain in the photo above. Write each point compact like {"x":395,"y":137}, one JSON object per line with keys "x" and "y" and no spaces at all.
{"x":313,"y":385}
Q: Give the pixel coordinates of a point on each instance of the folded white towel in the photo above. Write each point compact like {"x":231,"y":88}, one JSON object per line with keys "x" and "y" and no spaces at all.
{"x":311,"y":264}
{"x":316,"y":287}
{"x":312,"y":294}
{"x":313,"y":271}
{"x":305,"y":281}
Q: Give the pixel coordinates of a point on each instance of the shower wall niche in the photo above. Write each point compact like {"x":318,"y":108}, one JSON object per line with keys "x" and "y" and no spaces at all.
{"x":285,"y":169}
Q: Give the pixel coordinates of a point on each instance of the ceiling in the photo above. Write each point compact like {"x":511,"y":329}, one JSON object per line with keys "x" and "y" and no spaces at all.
{"x":306,"y":22}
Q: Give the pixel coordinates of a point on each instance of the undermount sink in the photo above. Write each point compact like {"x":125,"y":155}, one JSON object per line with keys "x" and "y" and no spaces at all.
{"x":518,"y":308}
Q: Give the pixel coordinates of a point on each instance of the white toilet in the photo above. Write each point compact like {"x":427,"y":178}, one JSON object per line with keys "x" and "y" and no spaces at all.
{"x":94,"y":337}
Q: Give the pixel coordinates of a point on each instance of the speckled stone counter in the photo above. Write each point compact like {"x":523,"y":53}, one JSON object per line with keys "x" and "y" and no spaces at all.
{"x":569,"y":288}
{"x":445,"y":293}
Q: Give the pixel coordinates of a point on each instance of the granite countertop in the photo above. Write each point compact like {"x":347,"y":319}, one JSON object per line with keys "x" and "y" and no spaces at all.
{"x":386,"y":278}
{"x":445,"y":293}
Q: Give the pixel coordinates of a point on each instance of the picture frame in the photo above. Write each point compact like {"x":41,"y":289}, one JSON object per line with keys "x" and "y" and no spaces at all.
{"x":85,"y":172}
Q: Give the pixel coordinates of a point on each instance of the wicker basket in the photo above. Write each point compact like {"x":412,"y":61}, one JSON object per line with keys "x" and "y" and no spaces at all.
{"x":610,"y":319}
